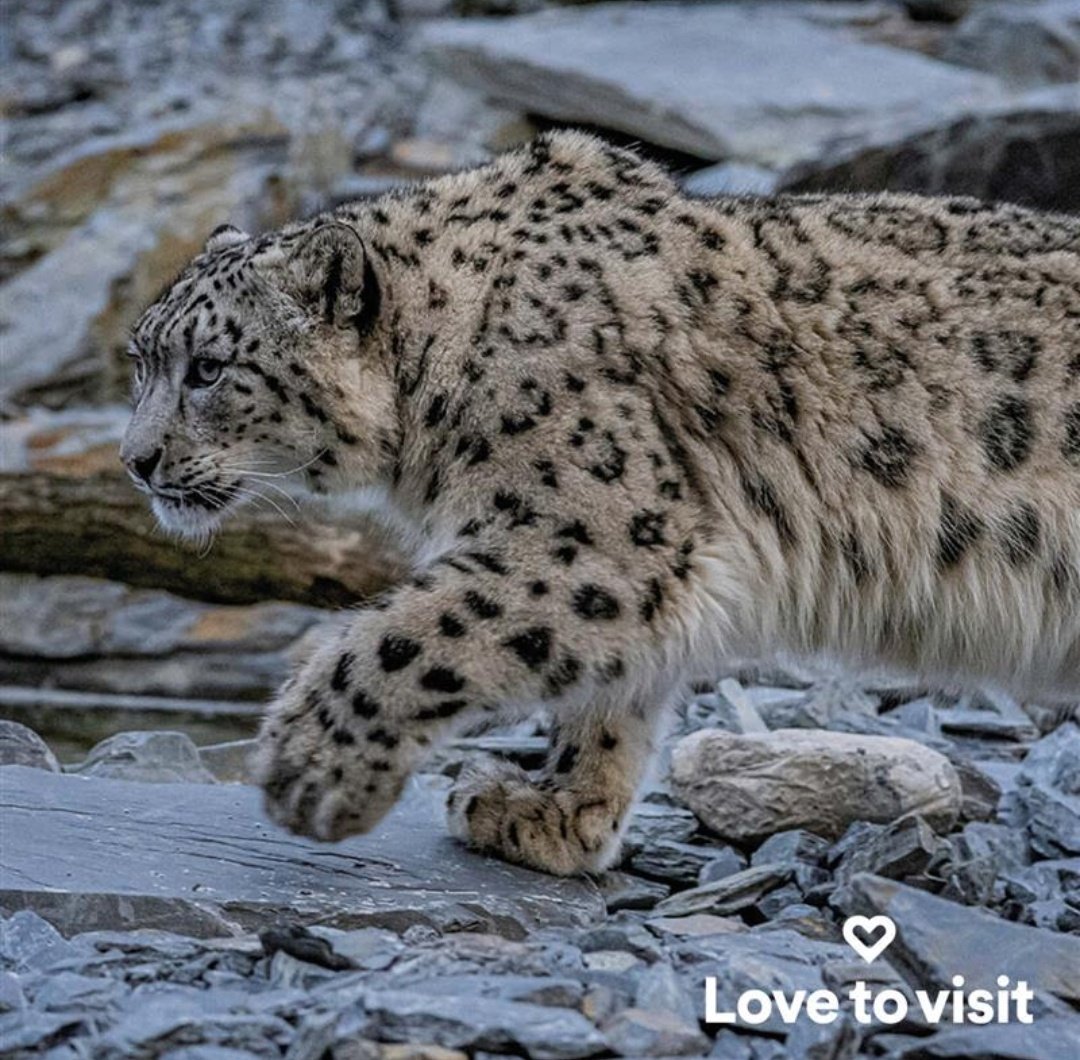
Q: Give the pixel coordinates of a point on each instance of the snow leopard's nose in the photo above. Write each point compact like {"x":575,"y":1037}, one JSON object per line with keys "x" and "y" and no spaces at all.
{"x":141,"y":467}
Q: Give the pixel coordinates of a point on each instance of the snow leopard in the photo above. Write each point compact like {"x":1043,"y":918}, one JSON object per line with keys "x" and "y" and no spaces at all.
{"x":629,"y":436}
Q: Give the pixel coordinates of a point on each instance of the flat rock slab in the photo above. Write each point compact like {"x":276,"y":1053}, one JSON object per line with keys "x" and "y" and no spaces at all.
{"x":752,"y":82}
{"x":203,"y":860}
{"x":937,"y":939}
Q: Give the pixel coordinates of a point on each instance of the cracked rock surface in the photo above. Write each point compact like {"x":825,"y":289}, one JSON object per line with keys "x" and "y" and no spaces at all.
{"x":171,"y":919}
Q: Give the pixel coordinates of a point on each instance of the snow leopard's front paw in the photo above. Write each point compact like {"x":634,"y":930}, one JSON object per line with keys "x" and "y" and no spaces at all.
{"x":497,"y":808}
{"x":325,"y":770}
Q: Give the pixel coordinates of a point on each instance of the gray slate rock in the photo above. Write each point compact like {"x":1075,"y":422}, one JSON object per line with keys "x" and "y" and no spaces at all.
{"x":623,"y":890}
{"x":831,"y":1041}
{"x":1047,"y":1038}
{"x":654,"y":822}
{"x":1048,"y":792}
{"x":12,"y":998}
{"x":718,"y":81}
{"x":538,"y":1031}
{"x":980,"y":793}
{"x":775,"y":903}
{"x":21,"y":746}
{"x":731,"y":1045}
{"x":978,"y":856}
{"x":547,"y":990}
{"x":162,"y":1014}
{"x":729,"y":895}
{"x":204,"y":860}
{"x":937,"y":939}
{"x":1046,"y":894}
{"x":28,"y":942}
{"x":672,"y":862}
{"x":904,"y":848}
{"x":724,"y":862}
{"x":795,"y":845}
{"x":34,"y":1030}
{"x":660,"y":990}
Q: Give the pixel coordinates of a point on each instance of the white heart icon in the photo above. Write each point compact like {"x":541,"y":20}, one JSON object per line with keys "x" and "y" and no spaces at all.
{"x":869,"y":926}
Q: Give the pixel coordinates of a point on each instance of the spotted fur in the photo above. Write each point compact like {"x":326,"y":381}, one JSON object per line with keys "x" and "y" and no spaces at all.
{"x":634,"y":435}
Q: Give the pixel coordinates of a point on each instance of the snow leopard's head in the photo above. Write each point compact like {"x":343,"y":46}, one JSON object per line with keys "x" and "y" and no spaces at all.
{"x":260,"y":366}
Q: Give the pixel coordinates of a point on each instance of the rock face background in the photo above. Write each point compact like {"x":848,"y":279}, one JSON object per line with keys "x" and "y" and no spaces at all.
{"x":148,"y":907}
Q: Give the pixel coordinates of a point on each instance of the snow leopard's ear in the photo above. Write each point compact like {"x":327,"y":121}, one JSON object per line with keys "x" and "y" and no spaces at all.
{"x":331,"y":275}
{"x":224,"y":236}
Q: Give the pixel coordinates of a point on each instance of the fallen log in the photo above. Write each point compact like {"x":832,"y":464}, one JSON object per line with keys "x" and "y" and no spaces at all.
{"x":99,"y":526}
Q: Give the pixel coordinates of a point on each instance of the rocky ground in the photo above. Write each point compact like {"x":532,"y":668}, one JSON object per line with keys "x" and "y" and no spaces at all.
{"x":149,"y":909}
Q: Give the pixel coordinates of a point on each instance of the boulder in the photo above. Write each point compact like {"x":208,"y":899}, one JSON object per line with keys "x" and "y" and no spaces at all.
{"x":752,"y":83}
{"x":747,"y":787}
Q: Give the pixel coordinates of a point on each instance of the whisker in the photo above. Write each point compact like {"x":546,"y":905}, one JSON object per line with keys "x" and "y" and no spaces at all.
{"x":290,"y":471}
{"x":253,"y":495}
{"x":243,"y":473}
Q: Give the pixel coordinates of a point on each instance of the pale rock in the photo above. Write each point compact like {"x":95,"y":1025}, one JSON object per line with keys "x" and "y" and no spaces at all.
{"x":158,"y":757}
{"x":752,"y":786}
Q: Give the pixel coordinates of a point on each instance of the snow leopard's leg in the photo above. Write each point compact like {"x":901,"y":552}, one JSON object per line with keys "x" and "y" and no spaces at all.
{"x":570,"y":817}
{"x":491,"y":628}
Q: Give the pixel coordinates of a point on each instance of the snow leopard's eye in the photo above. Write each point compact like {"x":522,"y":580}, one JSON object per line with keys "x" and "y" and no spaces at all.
{"x":138,"y":369}
{"x":203,"y":371}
